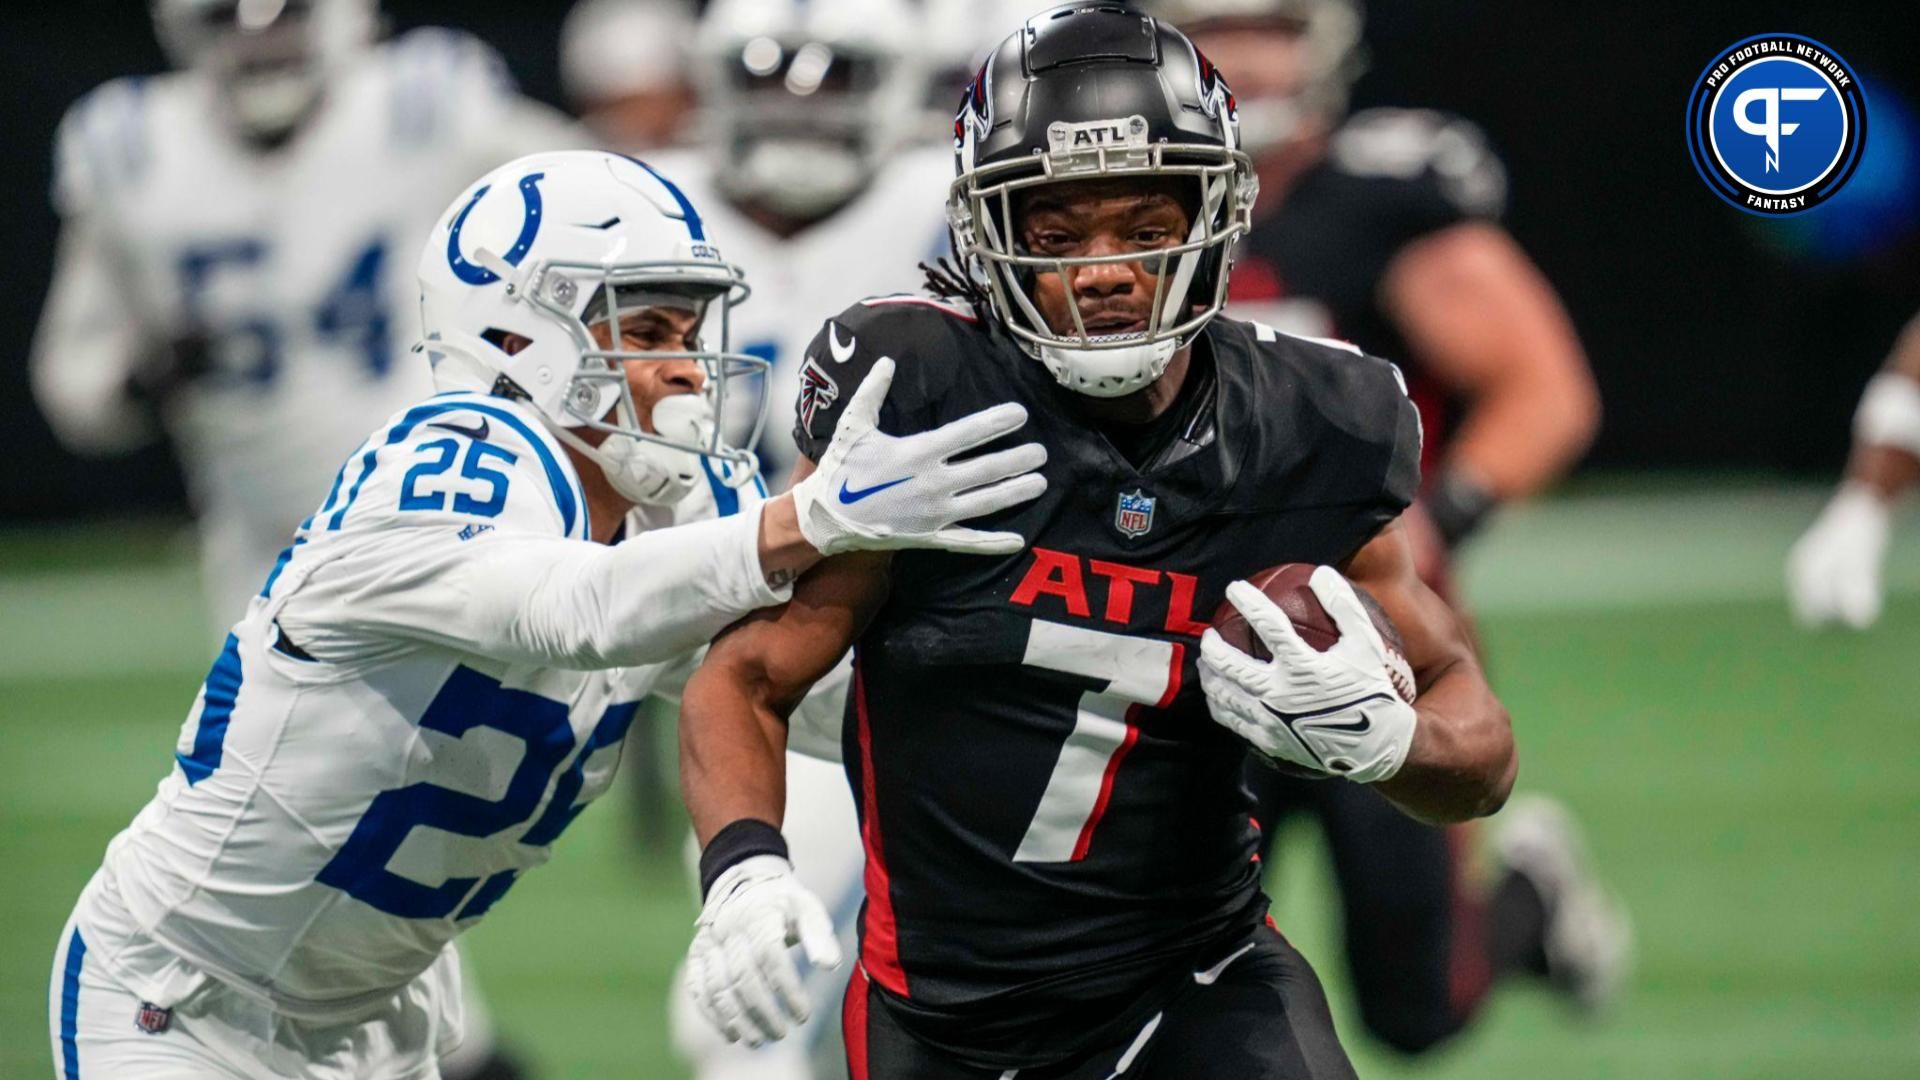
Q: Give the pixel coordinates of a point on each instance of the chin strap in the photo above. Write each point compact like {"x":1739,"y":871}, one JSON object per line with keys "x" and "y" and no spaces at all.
{"x":642,"y":471}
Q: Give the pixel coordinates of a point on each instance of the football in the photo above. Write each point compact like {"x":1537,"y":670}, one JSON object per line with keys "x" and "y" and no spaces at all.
{"x":1286,"y":586}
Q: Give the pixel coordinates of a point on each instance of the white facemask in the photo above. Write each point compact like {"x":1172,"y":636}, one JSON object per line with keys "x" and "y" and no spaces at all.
{"x":801,"y":178}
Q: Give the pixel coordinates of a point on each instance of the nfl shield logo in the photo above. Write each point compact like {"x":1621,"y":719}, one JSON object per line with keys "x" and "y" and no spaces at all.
{"x":1135,"y":515}
{"x":152,"y":1019}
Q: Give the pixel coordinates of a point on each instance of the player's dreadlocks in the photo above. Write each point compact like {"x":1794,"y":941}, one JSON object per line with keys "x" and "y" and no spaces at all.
{"x":947,"y":280}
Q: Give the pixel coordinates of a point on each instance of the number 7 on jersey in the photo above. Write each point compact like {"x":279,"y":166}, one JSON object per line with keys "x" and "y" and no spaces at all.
{"x":1138,"y":672}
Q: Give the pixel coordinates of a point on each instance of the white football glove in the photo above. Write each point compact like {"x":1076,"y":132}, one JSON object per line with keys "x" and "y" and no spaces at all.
{"x":739,"y":971}
{"x":875,"y":492}
{"x":1833,"y":573}
{"x":1335,"y":712}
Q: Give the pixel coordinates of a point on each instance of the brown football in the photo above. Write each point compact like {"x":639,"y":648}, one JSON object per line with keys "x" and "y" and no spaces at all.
{"x":1286,"y":586}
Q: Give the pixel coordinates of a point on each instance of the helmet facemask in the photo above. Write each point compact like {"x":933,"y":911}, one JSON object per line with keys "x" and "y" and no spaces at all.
{"x":658,"y":466}
{"x":800,"y":124}
{"x":1190,"y":277}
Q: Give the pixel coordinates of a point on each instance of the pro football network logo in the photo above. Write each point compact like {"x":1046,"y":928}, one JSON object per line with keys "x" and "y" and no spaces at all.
{"x":1776,"y":124}
{"x":1134,"y":516}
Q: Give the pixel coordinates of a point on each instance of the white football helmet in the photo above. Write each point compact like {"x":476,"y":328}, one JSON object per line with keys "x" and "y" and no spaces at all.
{"x":269,"y":59}
{"x":805,"y":98}
{"x":544,"y":247}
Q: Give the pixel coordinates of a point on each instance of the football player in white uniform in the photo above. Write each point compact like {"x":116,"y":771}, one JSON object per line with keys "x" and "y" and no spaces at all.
{"x":1833,"y":575}
{"x":440,"y":670}
{"x":234,"y":245}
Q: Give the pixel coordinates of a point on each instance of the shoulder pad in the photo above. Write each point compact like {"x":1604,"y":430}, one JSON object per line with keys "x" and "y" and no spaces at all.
{"x":464,"y":460}
{"x":102,"y":144}
{"x":1361,"y":395}
{"x":1435,"y":150}
{"x":906,"y":327}
{"x":435,"y":75}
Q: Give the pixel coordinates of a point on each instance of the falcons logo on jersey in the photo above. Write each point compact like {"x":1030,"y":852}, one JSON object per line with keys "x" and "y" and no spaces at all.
{"x":817,"y":391}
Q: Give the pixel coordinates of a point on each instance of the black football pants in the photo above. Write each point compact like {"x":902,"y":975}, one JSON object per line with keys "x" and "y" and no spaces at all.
{"x":1259,"y":1014}
{"x":1416,"y":936}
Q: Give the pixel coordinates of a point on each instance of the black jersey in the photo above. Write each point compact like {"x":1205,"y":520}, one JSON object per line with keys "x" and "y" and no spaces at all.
{"x":1313,"y":264}
{"x":1051,"y":817}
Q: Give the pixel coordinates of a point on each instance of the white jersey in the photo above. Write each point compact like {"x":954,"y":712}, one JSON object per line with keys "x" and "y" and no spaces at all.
{"x":295,"y":265}
{"x":871,"y":247}
{"x":436,"y":677}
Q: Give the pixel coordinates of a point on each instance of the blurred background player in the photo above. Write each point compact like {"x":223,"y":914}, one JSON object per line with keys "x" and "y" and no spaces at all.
{"x":1380,"y":229}
{"x":1833,"y":575}
{"x":233,"y":263}
{"x":228,"y":250}
{"x":624,"y":64}
{"x":805,"y":163}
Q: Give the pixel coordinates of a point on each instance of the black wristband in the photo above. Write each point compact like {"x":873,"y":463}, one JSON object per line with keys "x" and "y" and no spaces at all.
{"x":737,"y":842}
{"x":1457,"y":504}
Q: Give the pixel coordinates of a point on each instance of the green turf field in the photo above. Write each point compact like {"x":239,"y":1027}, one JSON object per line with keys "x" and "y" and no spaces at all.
{"x":1750,"y":788}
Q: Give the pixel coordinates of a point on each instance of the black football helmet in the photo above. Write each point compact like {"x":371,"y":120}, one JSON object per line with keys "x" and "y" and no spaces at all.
{"x":1089,"y":91}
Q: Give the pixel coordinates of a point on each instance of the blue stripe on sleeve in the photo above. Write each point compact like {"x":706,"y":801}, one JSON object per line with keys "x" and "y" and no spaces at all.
{"x":209,"y":740}
{"x":571,"y":501}
{"x":70,"y":1006}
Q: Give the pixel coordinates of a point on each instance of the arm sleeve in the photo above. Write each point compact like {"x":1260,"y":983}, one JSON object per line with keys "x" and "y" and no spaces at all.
{"x":531,"y":599}
{"x":488,"y":556}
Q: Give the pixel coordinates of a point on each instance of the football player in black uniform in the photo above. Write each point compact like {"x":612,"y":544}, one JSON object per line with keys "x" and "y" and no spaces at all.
{"x":1381,"y":231}
{"x":1048,"y":747}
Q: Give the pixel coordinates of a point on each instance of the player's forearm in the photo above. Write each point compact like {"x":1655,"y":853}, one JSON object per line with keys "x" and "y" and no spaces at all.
{"x":86,"y":347}
{"x":1462,"y":763}
{"x":648,"y":599}
{"x":785,"y":552}
{"x":732,"y":750}
{"x":1486,"y":323}
{"x":1524,"y":432}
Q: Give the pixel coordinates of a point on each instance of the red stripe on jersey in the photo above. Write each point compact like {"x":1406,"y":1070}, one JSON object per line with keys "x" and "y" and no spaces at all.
{"x":880,"y":937}
{"x":1106,"y":784}
{"x":921,"y":301}
{"x":853,"y":1024}
{"x":1120,"y":753}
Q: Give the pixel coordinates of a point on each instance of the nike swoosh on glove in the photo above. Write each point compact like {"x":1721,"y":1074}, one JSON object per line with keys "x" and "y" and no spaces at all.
{"x":1333,"y":712}
{"x":876,"y":492}
{"x":1833,"y":574}
{"x":740,"y":972}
